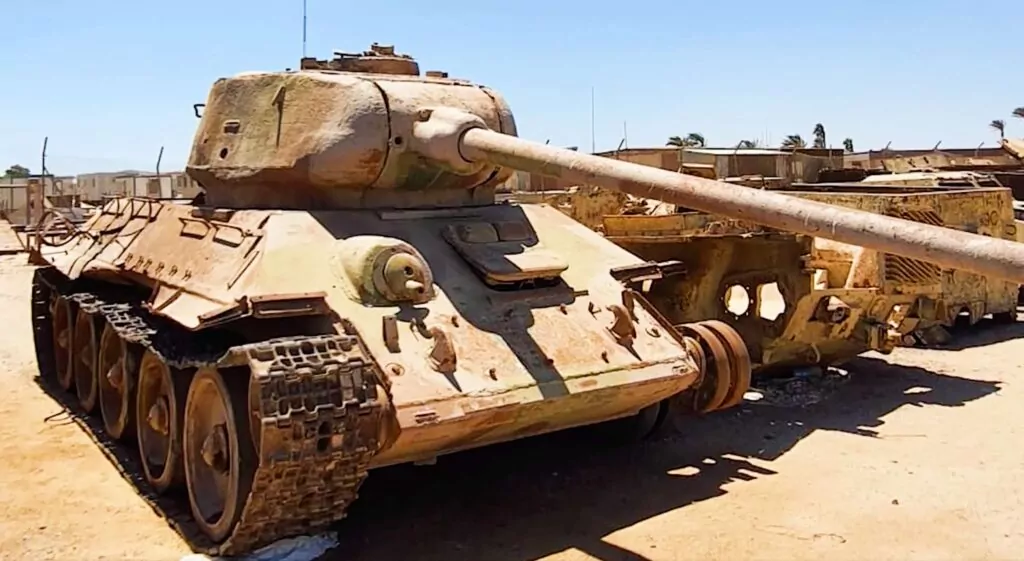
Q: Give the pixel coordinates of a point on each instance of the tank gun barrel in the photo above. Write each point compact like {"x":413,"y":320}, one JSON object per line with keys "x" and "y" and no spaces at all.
{"x":945,"y":247}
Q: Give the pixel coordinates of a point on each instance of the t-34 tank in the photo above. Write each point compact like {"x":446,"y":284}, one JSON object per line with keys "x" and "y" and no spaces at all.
{"x":349,"y":295}
{"x":345,"y":298}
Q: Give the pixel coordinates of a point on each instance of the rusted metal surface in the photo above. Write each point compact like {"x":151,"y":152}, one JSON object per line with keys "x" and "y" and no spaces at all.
{"x":948,"y":295}
{"x":302,"y":140}
{"x":790,"y":306}
{"x":943,"y":247}
{"x":726,"y":362}
{"x":586,"y":205}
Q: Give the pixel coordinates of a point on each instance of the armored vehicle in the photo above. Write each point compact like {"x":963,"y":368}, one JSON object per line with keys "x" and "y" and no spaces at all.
{"x":773,"y":287}
{"x":347,"y":295}
{"x":948,"y":297}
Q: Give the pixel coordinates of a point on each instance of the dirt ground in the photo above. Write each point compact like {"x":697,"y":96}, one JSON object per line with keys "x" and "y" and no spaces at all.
{"x":917,"y":456}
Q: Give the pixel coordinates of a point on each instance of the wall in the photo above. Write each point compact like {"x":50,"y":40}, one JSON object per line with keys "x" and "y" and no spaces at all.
{"x":12,"y":202}
{"x":14,"y":195}
{"x":93,"y":187}
{"x":800,"y":166}
{"x":764,"y":165}
{"x":53,"y":186}
{"x":183,"y":186}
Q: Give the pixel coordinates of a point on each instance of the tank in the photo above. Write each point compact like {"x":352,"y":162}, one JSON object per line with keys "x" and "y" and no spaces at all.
{"x":347,"y":294}
{"x":341,"y":298}
{"x":770,"y":286}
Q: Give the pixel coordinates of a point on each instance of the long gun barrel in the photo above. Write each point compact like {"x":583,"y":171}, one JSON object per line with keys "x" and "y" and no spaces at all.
{"x":463,"y":141}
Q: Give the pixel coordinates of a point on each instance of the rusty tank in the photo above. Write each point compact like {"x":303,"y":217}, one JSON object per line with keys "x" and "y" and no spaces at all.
{"x":347,"y":294}
{"x":947,"y":297}
{"x":767,"y":285}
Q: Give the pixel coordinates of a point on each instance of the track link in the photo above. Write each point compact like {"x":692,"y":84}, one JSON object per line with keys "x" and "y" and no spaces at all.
{"x":318,"y":407}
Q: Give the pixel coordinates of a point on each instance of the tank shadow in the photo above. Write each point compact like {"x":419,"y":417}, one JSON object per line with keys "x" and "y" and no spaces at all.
{"x":535,"y":497}
{"x":985,"y":332}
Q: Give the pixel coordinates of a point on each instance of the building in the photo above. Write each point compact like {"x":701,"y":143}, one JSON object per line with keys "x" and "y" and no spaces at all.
{"x":94,"y":187}
{"x":801,"y":165}
{"x":14,"y":195}
{"x":787,"y":165}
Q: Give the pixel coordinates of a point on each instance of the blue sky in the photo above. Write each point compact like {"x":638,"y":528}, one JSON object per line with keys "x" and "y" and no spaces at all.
{"x":112,"y":81}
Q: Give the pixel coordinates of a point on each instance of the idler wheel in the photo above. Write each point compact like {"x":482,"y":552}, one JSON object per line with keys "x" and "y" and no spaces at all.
{"x":62,"y":342}
{"x":159,"y":412}
{"x":714,"y":384}
{"x":116,"y":374}
{"x":739,"y":358}
{"x":85,"y":358}
{"x":219,"y":457}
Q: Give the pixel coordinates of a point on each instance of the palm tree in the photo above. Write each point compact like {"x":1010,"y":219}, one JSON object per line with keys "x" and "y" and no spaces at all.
{"x":819,"y":136}
{"x":793,"y":141}
{"x":1000,"y":126}
{"x":692,"y":140}
{"x":1019,"y":112}
{"x":848,"y":145}
{"x":746,"y":144}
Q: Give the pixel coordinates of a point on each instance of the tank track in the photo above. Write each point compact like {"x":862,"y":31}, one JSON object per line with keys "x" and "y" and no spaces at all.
{"x":317,"y":399}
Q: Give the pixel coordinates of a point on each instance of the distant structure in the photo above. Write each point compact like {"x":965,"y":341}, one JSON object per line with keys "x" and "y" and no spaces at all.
{"x":780,"y":167}
{"x":94,"y":187}
{"x":14,"y":195}
{"x":898,"y":161}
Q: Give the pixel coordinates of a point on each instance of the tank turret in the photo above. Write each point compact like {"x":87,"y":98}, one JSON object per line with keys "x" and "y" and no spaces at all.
{"x":339,"y":134}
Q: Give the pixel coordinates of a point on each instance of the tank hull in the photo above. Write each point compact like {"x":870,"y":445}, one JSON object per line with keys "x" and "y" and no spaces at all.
{"x":518,"y":328}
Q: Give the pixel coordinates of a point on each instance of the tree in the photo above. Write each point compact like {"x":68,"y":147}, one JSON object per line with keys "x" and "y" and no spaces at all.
{"x":848,"y":145}
{"x":1019,"y":112}
{"x":17,"y":171}
{"x":793,"y":141}
{"x":1000,"y":126}
{"x":692,"y":140}
{"x":819,"y":136}
{"x":748,"y":144}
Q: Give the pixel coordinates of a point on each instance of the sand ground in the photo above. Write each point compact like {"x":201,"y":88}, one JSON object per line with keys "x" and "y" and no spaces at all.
{"x":917,"y":456}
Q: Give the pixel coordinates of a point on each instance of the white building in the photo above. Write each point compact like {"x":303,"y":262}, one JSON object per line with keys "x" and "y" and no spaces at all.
{"x":94,"y":187}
